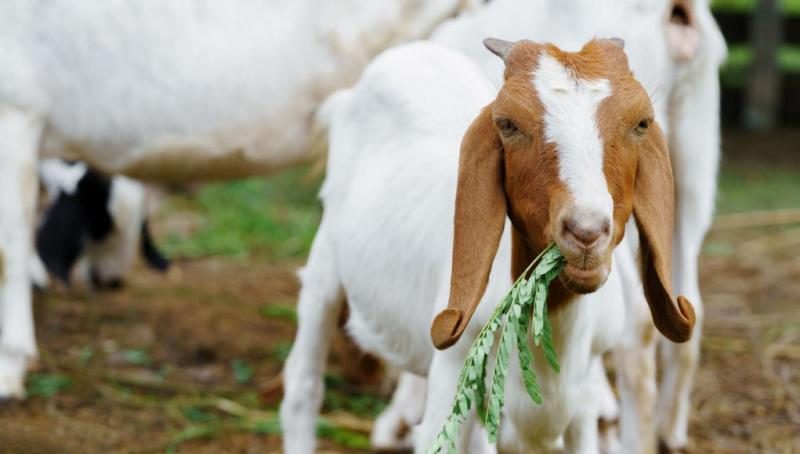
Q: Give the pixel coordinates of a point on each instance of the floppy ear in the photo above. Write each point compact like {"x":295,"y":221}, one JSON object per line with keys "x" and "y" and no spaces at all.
{"x":654,"y":207}
{"x":479,"y":218}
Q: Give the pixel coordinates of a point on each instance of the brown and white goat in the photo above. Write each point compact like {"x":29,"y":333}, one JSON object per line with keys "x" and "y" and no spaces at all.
{"x":566,"y":152}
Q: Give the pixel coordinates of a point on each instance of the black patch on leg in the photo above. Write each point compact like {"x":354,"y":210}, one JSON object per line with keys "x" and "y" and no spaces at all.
{"x":152,"y":255}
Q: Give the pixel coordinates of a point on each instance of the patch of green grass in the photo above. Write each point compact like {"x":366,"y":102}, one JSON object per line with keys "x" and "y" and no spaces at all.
{"x":342,"y":437}
{"x":276,"y":217}
{"x":791,"y":7}
{"x":210,"y":427}
{"x":280,"y":350}
{"x":137,"y":357}
{"x":242,"y":372}
{"x":196,"y":414}
{"x":279,"y":312}
{"x":752,"y":187}
{"x":339,"y":396}
{"x":47,"y":385}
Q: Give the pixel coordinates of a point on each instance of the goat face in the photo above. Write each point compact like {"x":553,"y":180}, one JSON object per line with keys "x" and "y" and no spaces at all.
{"x":568,"y":150}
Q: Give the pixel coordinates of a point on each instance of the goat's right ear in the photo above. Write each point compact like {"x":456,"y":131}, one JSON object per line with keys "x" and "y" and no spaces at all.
{"x":479,"y":218}
{"x":653,"y":208}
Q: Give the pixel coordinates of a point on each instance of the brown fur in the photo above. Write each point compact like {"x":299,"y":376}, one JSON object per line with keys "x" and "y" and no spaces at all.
{"x":514,"y":172}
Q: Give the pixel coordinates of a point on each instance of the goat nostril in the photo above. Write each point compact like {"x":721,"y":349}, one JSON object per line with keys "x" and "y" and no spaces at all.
{"x":587,"y":237}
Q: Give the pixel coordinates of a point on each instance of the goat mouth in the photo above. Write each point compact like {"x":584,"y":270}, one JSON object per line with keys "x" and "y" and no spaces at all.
{"x":583,"y":280}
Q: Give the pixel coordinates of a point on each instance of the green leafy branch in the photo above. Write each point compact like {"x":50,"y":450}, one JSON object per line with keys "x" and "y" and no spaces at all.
{"x":521,"y":311}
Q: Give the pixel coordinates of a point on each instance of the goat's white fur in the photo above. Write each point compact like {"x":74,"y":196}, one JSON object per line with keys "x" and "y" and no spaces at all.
{"x":386,"y":239}
{"x":19,"y":139}
{"x":403,"y":413}
{"x":185,"y":89}
{"x":114,"y":256}
{"x":685,"y":93}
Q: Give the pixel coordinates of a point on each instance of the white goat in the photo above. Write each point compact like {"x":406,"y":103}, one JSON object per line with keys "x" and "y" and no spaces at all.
{"x":567,"y":151}
{"x":675,"y":49}
{"x":178,"y":90}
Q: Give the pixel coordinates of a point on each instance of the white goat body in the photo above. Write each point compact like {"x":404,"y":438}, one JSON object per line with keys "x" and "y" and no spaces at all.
{"x":178,"y":90}
{"x":685,"y":93}
{"x":186,"y":89}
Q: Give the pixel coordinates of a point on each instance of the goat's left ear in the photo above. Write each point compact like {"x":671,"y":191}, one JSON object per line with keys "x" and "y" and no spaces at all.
{"x":478,"y":225}
{"x":654,"y":207}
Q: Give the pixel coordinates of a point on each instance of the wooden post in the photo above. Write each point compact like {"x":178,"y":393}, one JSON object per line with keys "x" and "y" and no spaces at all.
{"x":764,"y":81}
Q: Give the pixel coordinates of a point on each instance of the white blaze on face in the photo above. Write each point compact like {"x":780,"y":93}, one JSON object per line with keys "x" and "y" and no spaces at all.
{"x":570,"y":122}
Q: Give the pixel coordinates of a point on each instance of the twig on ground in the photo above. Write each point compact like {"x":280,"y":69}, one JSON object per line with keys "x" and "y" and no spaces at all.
{"x":756,"y":219}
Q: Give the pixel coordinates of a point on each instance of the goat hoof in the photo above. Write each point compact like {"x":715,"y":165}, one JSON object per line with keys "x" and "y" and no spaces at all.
{"x":663,"y":448}
{"x":12,"y":376}
{"x":11,"y":388}
{"x":608,"y":432}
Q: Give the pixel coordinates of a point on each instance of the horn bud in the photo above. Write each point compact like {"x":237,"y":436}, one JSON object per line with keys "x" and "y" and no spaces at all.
{"x":498,"y":47}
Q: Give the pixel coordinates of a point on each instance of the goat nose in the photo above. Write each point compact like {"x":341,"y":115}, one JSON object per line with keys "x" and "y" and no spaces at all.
{"x":586,"y":235}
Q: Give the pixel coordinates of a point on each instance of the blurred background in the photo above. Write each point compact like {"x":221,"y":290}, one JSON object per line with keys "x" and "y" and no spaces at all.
{"x":174,"y":362}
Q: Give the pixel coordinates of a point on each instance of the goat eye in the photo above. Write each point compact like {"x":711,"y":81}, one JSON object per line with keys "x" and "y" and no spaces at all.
{"x":641,"y":128}
{"x":506,"y":126}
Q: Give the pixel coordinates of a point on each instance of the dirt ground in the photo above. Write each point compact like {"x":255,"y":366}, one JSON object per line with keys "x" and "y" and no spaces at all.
{"x":194,"y":321}
{"x":174,"y":362}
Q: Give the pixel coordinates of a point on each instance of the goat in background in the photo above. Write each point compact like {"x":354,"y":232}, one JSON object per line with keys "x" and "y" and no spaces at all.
{"x":167,"y":91}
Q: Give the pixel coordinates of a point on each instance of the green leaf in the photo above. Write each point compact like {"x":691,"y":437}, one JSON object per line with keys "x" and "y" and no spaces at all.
{"x":547,"y":345}
{"x":47,"y":385}
{"x":497,"y":396}
{"x":525,"y":300}
{"x":526,"y":360}
{"x":527,"y":291}
{"x":480,"y":386}
{"x":539,"y":301}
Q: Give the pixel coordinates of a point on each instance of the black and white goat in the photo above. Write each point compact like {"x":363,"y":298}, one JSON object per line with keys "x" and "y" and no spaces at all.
{"x":94,"y":220}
